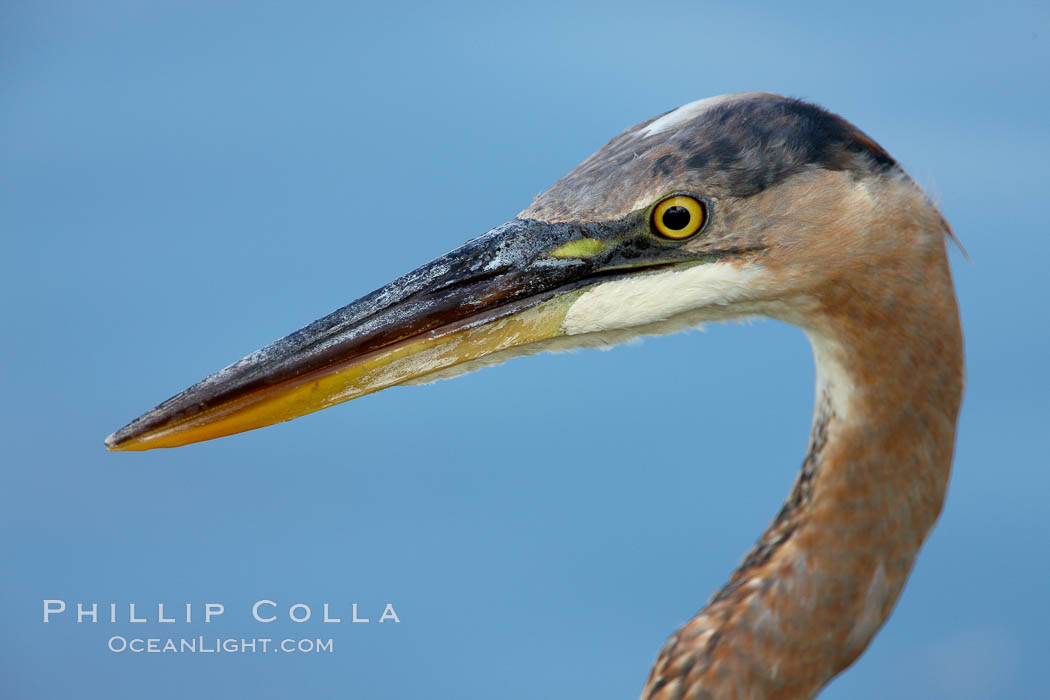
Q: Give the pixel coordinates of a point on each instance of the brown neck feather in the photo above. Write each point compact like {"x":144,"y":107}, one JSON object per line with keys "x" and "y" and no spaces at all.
{"x":825,"y":575}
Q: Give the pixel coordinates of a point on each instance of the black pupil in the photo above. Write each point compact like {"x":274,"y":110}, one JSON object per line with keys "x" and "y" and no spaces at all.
{"x":676,"y":218}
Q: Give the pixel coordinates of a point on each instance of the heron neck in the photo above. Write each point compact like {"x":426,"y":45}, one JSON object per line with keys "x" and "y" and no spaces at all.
{"x":825,"y":575}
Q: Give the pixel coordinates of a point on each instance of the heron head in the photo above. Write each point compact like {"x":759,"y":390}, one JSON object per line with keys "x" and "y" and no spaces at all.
{"x":734,"y":205}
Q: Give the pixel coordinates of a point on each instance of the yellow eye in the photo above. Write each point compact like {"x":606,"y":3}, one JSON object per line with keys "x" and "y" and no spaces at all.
{"x":679,"y":217}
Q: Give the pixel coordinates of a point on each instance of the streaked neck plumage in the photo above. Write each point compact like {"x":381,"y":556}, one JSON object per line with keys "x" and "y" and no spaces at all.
{"x":825,"y":575}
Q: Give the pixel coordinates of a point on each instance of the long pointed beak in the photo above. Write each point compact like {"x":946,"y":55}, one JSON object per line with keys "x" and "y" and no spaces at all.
{"x":509,"y":287}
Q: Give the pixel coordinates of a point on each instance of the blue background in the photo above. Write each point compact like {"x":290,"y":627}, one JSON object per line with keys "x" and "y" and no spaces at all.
{"x":181,"y":183}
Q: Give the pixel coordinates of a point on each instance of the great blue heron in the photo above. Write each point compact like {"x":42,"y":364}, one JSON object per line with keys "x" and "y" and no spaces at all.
{"x":740,"y":205}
